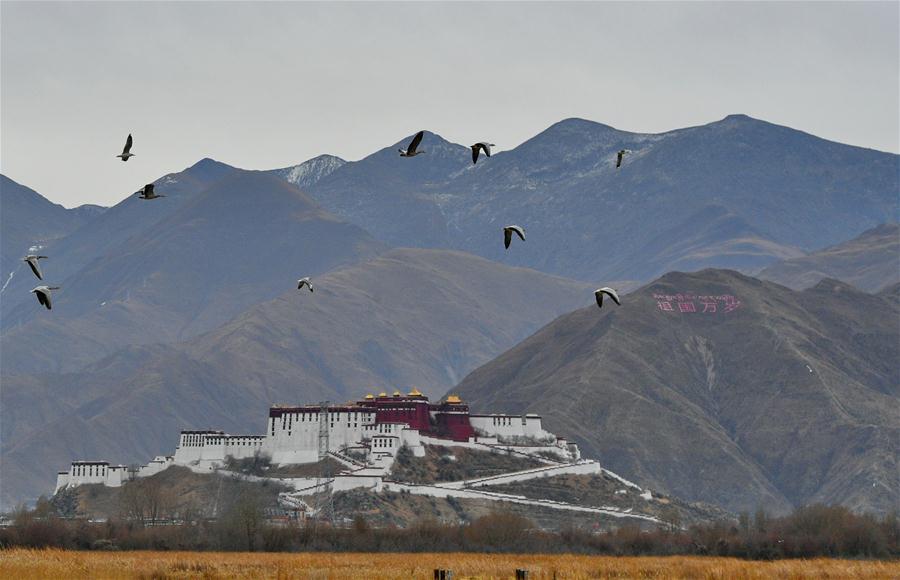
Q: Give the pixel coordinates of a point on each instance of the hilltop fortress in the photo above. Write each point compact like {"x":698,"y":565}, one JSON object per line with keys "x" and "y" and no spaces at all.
{"x":364,"y":436}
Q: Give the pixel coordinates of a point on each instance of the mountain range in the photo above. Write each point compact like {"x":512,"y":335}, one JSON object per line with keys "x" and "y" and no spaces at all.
{"x":183,"y":311}
{"x":737,"y":193}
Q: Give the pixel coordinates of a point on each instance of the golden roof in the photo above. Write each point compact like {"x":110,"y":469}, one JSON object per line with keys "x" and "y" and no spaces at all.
{"x":453,"y":399}
{"x":382,"y":394}
{"x":370,"y":396}
{"x":415,"y":392}
{"x":396,"y":393}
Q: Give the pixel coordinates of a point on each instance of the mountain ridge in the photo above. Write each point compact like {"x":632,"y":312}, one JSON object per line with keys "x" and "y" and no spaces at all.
{"x":29,"y":222}
{"x":310,"y":171}
{"x":130,"y":218}
{"x":669,"y":398}
{"x":870,"y":261}
{"x":195,"y":267}
{"x":788,"y":186}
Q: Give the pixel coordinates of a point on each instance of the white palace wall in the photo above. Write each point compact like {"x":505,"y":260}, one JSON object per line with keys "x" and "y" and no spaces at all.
{"x":294,"y":436}
{"x":510,"y":426}
{"x":88,"y":472}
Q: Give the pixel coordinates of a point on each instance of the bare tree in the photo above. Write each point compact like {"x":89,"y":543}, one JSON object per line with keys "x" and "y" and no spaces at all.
{"x":158,"y":499}
{"x":145,"y":500}
{"x":132,"y":505}
{"x":243,"y":519}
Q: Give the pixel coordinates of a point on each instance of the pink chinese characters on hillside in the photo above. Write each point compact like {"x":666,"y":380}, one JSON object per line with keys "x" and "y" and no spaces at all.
{"x":695,"y":304}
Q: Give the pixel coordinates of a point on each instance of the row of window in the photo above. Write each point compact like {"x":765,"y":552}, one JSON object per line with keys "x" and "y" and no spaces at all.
{"x":193,"y":439}
{"x":381,"y":442}
{"x":290,"y":431}
{"x":201,"y":440}
{"x":504,"y":421}
{"x":88,"y":470}
{"x":233,"y":440}
{"x":287,"y":420}
{"x":333,"y":416}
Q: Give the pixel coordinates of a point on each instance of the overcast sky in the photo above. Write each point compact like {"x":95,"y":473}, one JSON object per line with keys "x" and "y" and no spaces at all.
{"x":270,"y":85}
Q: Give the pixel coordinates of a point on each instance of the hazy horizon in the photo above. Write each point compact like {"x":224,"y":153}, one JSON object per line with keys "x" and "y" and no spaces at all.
{"x":272,"y":85}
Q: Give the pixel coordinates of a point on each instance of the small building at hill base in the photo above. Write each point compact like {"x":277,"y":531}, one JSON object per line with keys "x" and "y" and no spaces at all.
{"x":87,"y":472}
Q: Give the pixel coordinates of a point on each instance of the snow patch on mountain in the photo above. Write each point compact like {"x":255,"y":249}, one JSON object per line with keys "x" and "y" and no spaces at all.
{"x":310,"y":172}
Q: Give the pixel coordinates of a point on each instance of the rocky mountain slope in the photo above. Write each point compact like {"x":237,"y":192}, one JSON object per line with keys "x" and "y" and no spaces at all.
{"x":28,"y":220}
{"x":722,"y":388}
{"x":121,"y":225}
{"x":185,"y":270}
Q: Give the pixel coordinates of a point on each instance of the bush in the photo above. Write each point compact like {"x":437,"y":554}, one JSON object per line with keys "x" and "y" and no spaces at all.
{"x":498,"y":531}
{"x":813,"y":531}
{"x":257,"y":465}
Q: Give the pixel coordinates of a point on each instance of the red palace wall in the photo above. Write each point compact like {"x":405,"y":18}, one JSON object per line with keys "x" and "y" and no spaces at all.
{"x":447,"y":419}
{"x":454,"y":425}
{"x":412,"y":410}
{"x":414,"y":413}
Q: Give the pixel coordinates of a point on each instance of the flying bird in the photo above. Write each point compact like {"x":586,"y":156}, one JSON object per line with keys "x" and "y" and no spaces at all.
{"x":32,"y":261}
{"x":620,"y":155}
{"x":304,"y":282}
{"x":410,"y":150}
{"x":508,"y":232}
{"x":126,"y":152}
{"x":43,"y":295}
{"x":147,"y":192}
{"x":599,"y":292}
{"x":486,"y":147}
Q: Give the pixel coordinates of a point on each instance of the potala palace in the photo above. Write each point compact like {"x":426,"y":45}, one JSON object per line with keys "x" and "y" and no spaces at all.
{"x":364,"y":436}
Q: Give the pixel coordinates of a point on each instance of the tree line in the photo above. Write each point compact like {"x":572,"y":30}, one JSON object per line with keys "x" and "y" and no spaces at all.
{"x":813,"y":531}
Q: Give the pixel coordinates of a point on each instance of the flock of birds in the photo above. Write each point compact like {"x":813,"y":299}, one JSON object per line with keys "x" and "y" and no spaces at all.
{"x":43,"y":292}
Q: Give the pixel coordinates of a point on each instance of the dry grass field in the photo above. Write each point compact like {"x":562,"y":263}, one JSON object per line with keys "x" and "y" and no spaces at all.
{"x":40,"y":564}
